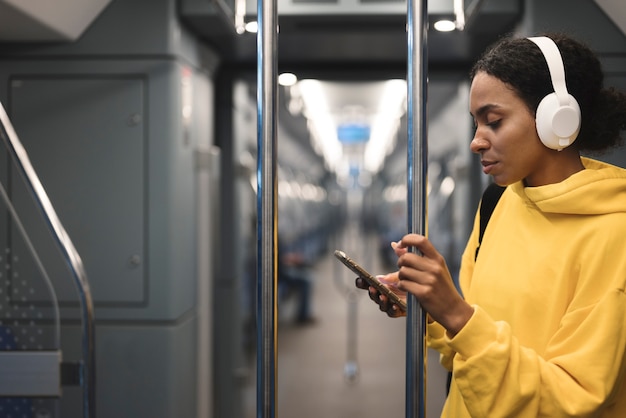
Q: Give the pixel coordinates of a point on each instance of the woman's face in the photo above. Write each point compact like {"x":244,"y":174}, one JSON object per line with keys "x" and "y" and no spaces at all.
{"x":506,"y":138}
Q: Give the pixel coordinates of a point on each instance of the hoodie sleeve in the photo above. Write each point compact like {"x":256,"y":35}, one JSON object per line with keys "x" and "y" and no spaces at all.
{"x":436,"y":339}
{"x":497,"y":377}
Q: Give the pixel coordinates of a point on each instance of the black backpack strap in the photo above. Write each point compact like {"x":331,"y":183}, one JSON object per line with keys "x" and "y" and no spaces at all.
{"x":490,"y":198}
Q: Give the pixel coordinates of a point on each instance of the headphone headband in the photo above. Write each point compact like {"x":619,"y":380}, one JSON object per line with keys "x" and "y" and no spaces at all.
{"x":555,"y":66}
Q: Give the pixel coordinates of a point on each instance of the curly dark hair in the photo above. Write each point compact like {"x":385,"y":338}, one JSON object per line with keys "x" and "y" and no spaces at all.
{"x":520,"y":64}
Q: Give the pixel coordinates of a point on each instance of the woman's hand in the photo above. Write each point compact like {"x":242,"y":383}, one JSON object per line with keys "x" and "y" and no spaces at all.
{"x":390,"y":280}
{"x":426,"y":276}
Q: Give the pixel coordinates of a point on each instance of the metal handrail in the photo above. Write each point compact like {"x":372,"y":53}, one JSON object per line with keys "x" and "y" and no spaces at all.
{"x":70,"y":254}
{"x":417,"y":167}
{"x":267,"y":225}
{"x":38,"y":264}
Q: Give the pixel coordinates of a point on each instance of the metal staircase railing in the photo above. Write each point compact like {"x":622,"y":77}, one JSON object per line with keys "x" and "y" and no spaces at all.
{"x":30,"y":369}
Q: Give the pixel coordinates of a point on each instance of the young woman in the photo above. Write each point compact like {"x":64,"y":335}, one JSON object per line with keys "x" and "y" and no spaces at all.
{"x":540,"y":330}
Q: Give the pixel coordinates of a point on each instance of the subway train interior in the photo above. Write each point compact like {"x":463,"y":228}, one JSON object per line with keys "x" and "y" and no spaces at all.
{"x":129,"y":269}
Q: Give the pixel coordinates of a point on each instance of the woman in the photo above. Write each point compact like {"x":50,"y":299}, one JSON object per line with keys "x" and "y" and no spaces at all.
{"x":540,"y":330}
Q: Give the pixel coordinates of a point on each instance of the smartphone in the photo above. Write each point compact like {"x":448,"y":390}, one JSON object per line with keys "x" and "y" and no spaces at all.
{"x":369,"y":278}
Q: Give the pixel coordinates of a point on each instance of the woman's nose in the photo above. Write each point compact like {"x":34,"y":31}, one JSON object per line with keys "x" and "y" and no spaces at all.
{"x":479,"y":143}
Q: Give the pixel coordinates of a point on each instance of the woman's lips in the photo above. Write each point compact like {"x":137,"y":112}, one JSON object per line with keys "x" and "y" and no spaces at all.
{"x":487,"y":166}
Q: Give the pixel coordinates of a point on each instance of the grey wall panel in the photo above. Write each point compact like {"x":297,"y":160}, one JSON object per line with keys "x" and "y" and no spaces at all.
{"x":130,"y":161}
{"x":85,"y":138}
{"x":120,"y":162}
{"x":149,"y":371}
{"x":144,"y":370}
{"x":105,"y":121}
{"x":171,"y":196}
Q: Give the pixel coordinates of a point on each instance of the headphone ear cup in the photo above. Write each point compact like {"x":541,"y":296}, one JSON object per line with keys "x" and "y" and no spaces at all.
{"x":557,"y":125}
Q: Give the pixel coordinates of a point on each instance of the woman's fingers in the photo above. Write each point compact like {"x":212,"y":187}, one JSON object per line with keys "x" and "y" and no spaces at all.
{"x":384,"y":304}
{"x":399,"y":250}
{"x":361,"y":283}
{"x":420,"y":242}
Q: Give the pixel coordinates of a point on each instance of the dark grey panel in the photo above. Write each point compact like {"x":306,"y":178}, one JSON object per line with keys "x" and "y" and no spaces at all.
{"x":583,"y":19}
{"x":85,"y":138}
{"x":617,"y":156}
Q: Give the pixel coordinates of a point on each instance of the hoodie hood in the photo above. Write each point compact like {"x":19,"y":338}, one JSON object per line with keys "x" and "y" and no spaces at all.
{"x":598,"y":189}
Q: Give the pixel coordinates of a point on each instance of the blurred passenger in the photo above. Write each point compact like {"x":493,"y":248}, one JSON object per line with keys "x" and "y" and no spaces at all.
{"x":294,"y":276}
{"x":541,"y":329}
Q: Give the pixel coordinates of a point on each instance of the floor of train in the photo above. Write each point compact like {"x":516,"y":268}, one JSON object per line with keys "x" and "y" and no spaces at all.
{"x":316,"y":375}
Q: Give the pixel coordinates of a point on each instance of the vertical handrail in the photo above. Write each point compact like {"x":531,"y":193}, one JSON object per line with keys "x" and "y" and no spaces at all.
{"x":70,"y":254}
{"x":417,"y":166}
{"x":267,"y":229}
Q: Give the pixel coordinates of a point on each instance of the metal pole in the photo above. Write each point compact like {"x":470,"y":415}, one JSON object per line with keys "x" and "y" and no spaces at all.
{"x":266,"y":208}
{"x":417,"y":71}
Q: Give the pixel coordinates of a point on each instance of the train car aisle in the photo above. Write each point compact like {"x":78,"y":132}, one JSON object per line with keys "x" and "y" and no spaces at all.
{"x":315,"y":376}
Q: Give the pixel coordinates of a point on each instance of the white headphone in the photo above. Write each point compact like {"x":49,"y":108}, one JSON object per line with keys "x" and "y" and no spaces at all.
{"x":558,"y":114}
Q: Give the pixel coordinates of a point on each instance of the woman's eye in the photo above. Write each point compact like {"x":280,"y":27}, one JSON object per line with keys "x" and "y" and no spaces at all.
{"x":494,"y":124}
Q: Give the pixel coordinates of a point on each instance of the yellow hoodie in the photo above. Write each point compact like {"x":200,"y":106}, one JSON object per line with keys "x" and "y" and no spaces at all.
{"x":548,"y":336}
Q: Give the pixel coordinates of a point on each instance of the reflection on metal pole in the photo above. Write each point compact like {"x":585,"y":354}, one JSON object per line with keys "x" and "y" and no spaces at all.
{"x":267,"y":93}
{"x":417,"y":76}
{"x":351,"y":368}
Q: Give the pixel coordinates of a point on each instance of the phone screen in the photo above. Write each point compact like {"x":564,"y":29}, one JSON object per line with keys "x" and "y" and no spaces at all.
{"x":373,"y":281}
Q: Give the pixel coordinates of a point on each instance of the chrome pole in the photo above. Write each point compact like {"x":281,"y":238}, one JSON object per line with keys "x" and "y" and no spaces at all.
{"x":267,"y":94}
{"x":417,"y":166}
